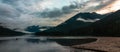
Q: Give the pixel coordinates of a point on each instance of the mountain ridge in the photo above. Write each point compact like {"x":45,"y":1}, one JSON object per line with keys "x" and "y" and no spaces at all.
{"x":8,"y":32}
{"x":99,"y":28}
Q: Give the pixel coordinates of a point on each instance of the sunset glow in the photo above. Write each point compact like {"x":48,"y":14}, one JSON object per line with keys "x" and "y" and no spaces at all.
{"x":110,"y":8}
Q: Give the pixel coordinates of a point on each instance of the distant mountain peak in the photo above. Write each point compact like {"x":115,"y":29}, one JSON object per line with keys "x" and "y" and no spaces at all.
{"x":78,"y":21}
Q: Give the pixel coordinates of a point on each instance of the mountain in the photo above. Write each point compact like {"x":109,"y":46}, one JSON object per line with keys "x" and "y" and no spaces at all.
{"x":108,"y":26}
{"x":8,"y":32}
{"x":78,"y":21}
{"x":34,"y":28}
{"x":37,"y":28}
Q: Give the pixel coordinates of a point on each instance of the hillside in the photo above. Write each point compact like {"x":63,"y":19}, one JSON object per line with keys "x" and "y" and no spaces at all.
{"x":8,"y":32}
{"x":108,"y":26}
{"x":78,"y":21}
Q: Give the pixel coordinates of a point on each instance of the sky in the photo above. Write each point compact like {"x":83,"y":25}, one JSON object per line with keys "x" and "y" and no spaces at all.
{"x":19,"y":14}
{"x":114,"y":6}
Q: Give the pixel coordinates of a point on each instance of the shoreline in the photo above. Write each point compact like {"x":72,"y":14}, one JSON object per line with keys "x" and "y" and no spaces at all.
{"x":100,"y":44}
{"x":105,"y":44}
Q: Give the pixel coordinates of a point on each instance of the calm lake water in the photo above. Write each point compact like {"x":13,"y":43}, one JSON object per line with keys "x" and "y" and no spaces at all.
{"x":39,"y":44}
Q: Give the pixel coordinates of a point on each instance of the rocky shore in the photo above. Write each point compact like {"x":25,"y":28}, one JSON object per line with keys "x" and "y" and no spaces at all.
{"x":103,"y":44}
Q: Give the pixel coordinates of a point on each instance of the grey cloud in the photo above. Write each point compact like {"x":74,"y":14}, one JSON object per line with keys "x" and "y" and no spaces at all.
{"x":89,"y":6}
{"x":11,"y":2}
{"x":17,"y":14}
{"x":8,"y":11}
{"x":8,"y":14}
{"x":52,"y":14}
{"x":68,"y":9}
{"x":55,"y":13}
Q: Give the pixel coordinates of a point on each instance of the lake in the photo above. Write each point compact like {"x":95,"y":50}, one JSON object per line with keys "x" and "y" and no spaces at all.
{"x":42,"y":44}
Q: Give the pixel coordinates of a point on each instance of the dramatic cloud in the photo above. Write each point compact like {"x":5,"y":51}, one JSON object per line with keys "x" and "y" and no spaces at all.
{"x":93,"y":5}
{"x":20,"y":14}
{"x":7,"y":11}
{"x":114,"y":6}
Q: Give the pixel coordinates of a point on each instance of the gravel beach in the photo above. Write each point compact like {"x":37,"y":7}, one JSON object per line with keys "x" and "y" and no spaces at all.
{"x":105,"y":44}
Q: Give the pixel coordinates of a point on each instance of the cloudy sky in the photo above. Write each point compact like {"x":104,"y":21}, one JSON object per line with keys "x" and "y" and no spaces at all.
{"x":19,"y":14}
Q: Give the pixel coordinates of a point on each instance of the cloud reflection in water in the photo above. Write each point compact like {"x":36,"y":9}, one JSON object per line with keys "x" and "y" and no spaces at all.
{"x":23,"y":45}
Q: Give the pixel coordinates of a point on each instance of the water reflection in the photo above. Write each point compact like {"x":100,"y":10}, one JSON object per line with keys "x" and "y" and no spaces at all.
{"x":37,"y":45}
{"x":22,"y":45}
